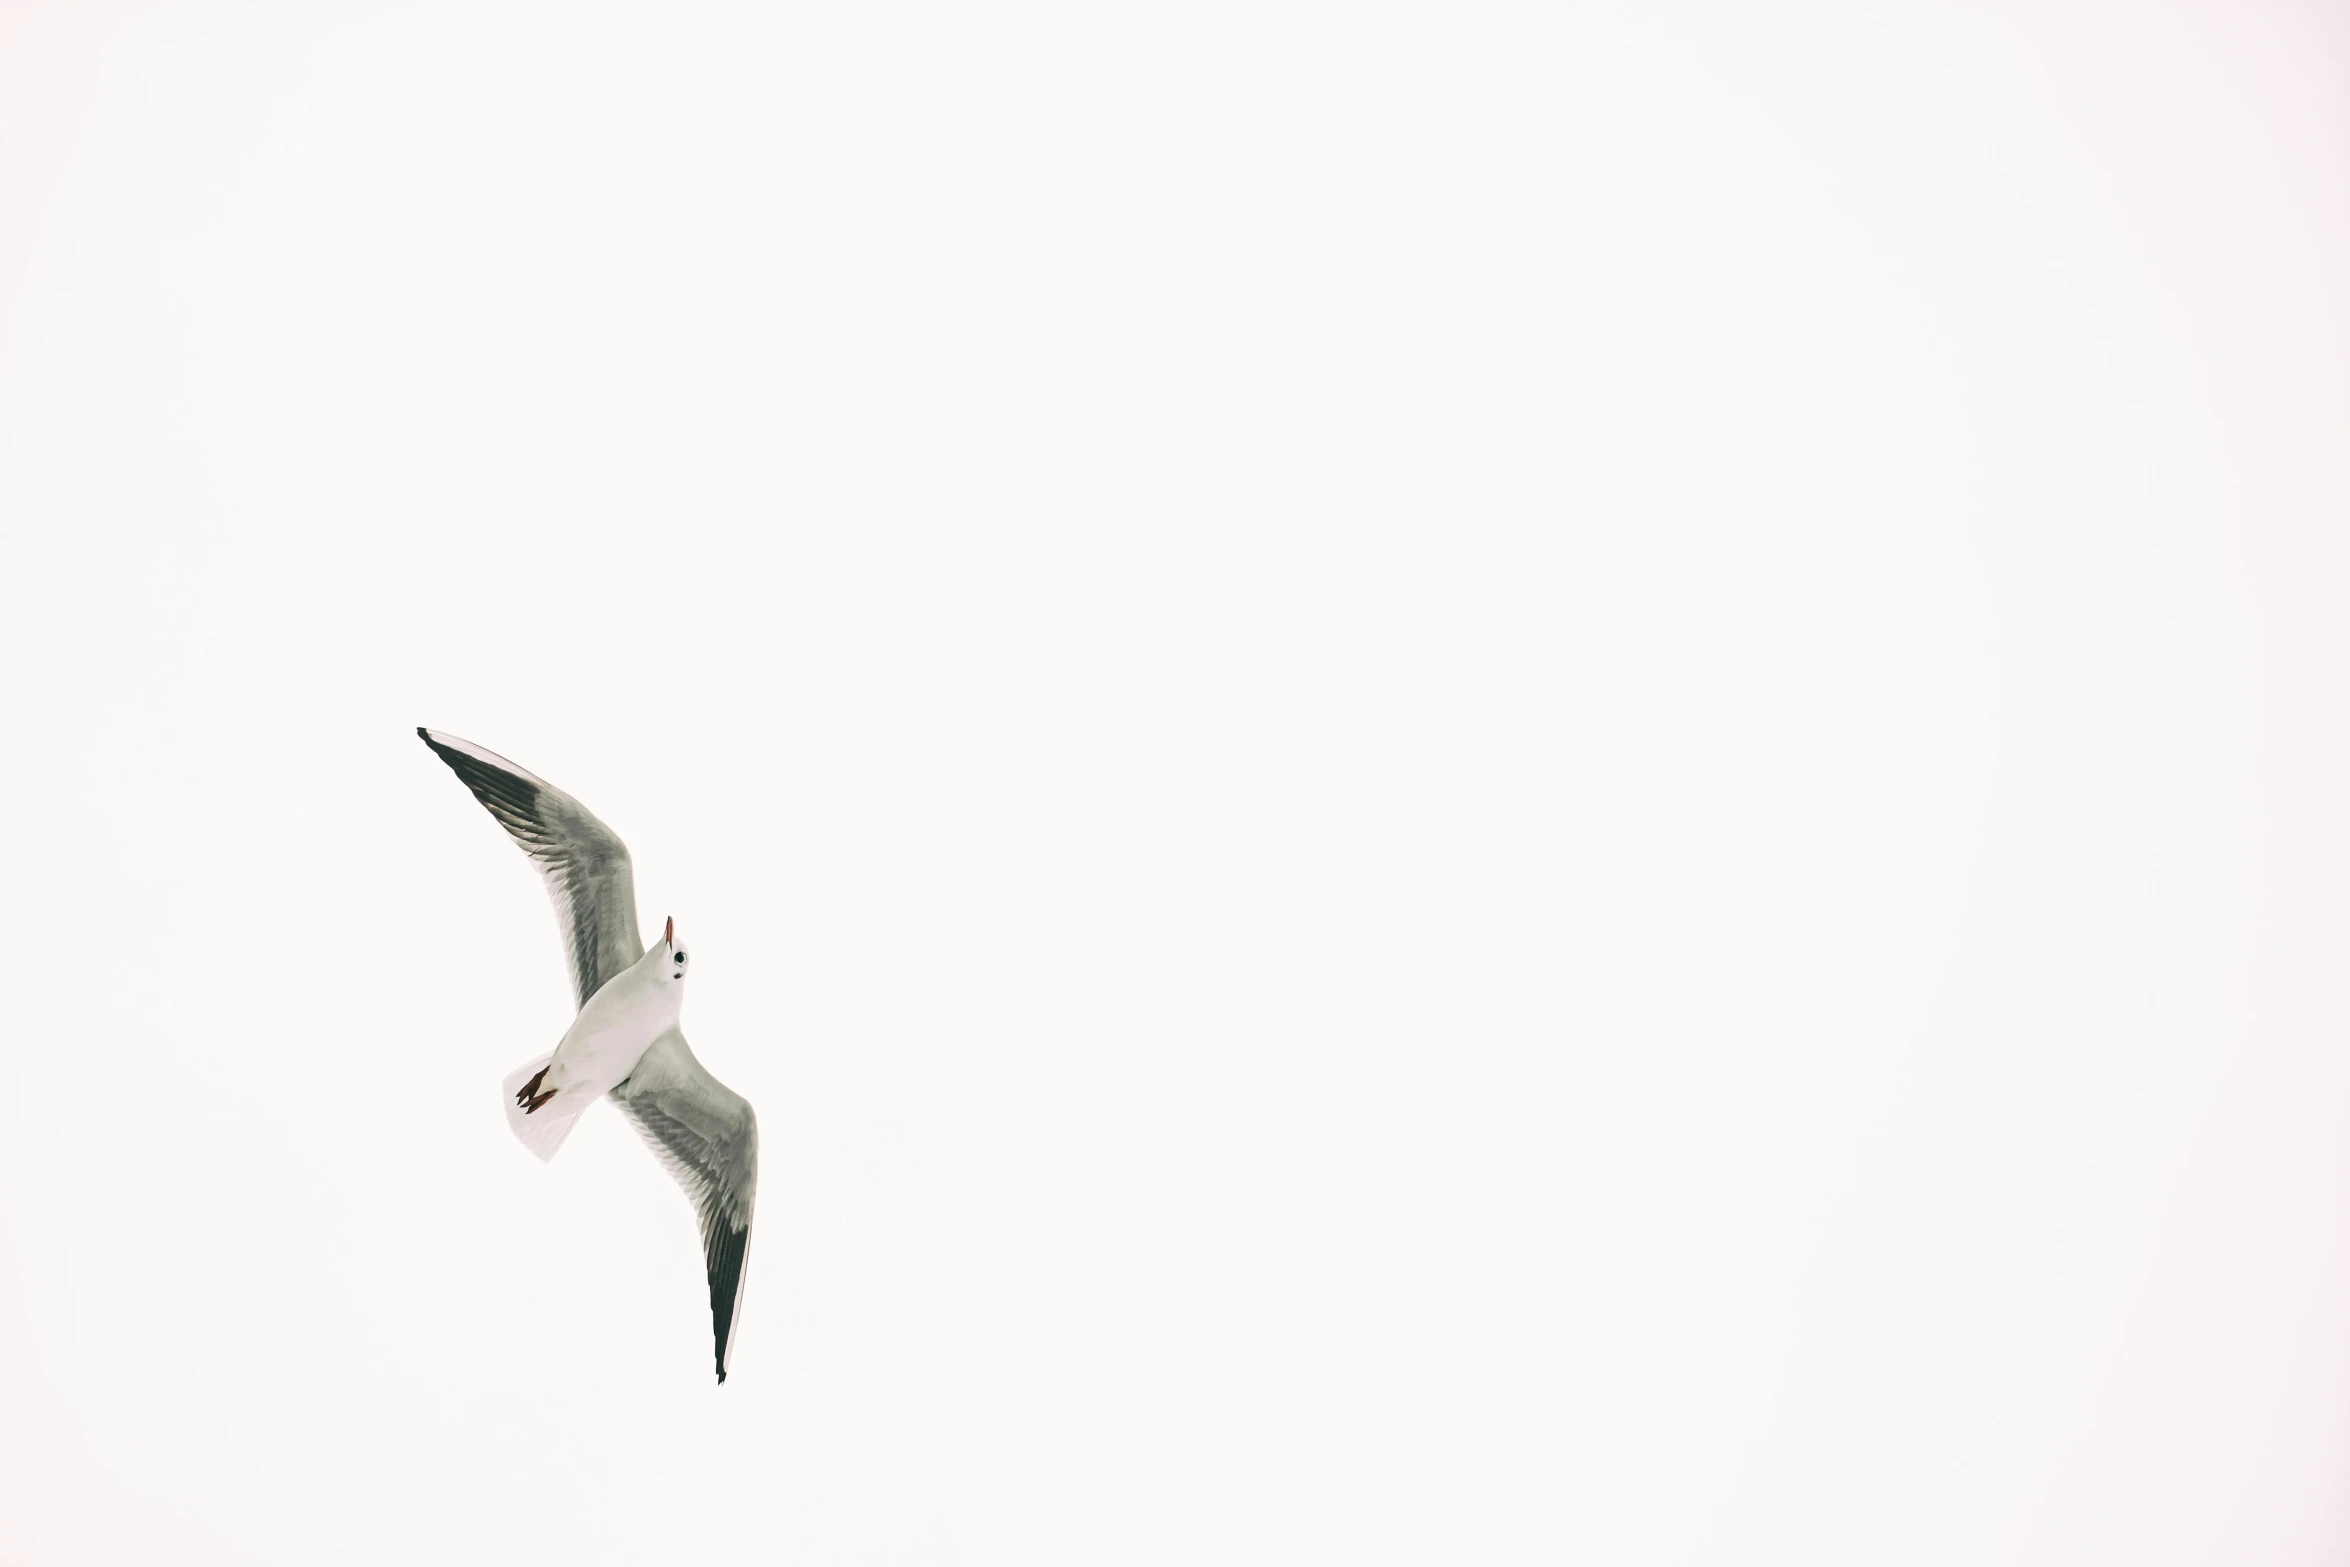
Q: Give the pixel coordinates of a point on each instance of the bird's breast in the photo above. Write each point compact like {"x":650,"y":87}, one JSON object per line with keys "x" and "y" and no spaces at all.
{"x":610,"y":1035}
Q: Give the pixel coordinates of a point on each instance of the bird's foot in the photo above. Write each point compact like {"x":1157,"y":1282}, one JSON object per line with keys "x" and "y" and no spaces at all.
{"x":530,"y":1088}
{"x":537,"y":1100}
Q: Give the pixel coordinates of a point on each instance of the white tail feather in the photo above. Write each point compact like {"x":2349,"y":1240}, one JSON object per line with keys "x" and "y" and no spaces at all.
{"x":542,"y":1130}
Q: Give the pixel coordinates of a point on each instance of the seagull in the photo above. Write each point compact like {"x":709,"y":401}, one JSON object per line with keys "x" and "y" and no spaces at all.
{"x":624,"y":1044}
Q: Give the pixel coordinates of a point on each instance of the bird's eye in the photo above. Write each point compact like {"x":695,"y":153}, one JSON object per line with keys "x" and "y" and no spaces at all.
{"x":681,"y":957}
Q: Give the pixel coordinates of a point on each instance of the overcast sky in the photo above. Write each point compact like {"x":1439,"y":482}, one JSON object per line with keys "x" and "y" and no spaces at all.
{"x":1466,"y":782}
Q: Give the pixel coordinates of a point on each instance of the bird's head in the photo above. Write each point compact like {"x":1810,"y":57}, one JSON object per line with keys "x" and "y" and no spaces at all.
{"x":672,"y":965}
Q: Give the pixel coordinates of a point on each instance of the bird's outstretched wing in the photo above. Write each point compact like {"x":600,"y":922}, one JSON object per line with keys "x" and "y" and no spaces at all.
{"x":705,"y":1133}
{"x":584,"y":861}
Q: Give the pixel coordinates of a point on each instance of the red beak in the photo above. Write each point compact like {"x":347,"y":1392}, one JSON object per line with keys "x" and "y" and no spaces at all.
{"x":669,"y":932}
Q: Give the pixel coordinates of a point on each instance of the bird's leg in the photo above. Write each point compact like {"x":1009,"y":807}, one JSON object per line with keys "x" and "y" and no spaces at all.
{"x":530,"y":1088}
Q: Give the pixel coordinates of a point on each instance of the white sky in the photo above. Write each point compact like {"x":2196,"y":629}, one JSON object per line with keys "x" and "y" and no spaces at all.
{"x":1466,"y":782}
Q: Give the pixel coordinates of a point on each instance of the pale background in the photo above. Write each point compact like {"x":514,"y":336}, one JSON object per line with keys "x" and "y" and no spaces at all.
{"x":1466,"y":782}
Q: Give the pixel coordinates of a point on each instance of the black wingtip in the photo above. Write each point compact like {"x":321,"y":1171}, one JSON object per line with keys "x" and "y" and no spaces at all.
{"x":424,"y":734}
{"x":722,"y":1377}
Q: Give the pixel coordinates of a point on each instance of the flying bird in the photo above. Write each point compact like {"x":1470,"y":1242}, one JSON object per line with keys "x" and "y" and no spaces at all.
{"x":625,"y":1043}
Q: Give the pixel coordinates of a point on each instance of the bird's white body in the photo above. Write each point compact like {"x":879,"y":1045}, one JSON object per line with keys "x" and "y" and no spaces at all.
{"x":546,"y":1095}
{"x":612,"y":1032}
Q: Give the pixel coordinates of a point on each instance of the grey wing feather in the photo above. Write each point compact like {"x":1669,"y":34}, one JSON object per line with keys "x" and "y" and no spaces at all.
{"x":584,"y":862}
{"x":707,"y":1136}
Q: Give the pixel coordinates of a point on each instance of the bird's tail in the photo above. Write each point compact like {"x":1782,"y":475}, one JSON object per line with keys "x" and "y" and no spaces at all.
{"x":543,"y":1128}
